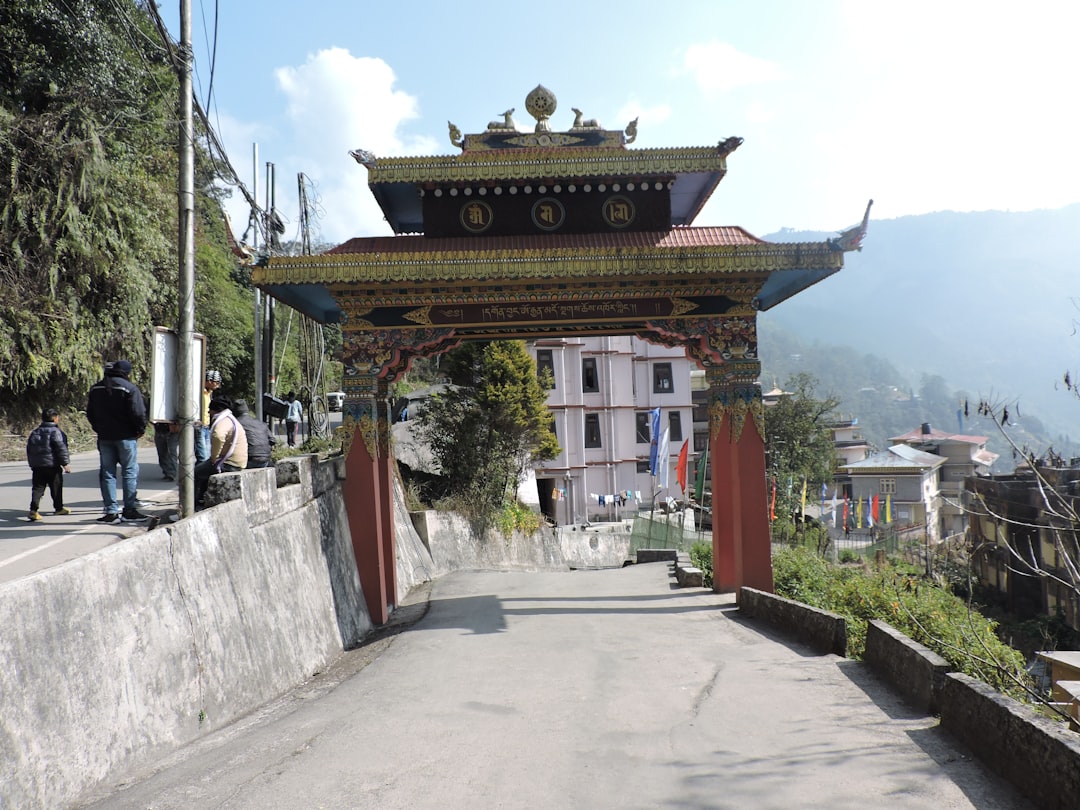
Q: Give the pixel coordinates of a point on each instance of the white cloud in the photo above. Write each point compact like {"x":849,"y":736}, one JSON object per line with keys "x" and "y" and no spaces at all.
{"x":337,"y":102}
{"x":719,"y":67}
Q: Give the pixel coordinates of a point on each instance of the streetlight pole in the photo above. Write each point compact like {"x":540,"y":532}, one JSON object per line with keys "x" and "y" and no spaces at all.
{"x":185,"y":360}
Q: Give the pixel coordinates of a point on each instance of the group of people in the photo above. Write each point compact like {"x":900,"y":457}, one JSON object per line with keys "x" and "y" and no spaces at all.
{"x":227,"y":439}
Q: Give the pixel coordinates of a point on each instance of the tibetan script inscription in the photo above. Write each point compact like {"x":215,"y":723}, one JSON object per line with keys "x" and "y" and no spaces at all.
{"x":618,"y":211}
{"x":476,"y":216}
{"x":526,"y":313}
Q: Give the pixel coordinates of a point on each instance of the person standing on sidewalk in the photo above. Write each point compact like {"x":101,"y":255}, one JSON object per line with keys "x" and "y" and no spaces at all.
{"x":117,"y":414}
{"x":292,"y":418}
{"x":202,"y":430}
{"x":47,"y":455}
{"x":167,"y":443}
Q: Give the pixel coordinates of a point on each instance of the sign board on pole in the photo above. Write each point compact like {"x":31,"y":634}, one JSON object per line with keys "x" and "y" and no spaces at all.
{"x":164,"y":382}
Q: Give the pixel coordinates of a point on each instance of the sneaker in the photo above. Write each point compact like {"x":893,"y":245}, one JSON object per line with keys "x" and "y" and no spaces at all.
{"x":134,"y":517}
{"x":63,"y":510}
{"x":112,"y":517}
{"x":33,"y":516}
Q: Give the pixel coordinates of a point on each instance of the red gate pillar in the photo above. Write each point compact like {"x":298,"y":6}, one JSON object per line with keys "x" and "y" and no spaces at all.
{"x":742,"y":550}
{"x":369,"y":493}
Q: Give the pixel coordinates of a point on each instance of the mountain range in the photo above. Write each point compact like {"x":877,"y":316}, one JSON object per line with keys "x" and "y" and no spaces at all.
{"x":988,"y":301}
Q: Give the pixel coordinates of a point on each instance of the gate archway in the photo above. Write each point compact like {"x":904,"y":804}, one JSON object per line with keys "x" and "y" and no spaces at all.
{"x":541,"y":233}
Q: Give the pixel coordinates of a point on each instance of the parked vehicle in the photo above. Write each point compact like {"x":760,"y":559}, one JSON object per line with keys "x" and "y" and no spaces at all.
{"x":335,"y":400}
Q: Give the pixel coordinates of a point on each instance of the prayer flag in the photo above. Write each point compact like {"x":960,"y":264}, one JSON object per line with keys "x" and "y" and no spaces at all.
{"x":772,"y":506}
{"x":663,"y":457}
{"x":888,"y":508}
{"x":834,"y":507}
{"x":654,"y":437}
{"x":875,"y":510}
{"x":858,"y":513}
{"x":680,"y":467}
{"x":699,"y":485}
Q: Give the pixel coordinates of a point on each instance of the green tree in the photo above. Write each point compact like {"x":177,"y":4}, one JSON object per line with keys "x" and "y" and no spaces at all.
{"x":88,"y":218}
{"x":488,"y":425}
{"x":799,"y":445}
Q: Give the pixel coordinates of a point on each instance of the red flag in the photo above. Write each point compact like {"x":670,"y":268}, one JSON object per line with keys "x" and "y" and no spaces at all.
{"x":876,"y":507}
{"x":680,"y":466}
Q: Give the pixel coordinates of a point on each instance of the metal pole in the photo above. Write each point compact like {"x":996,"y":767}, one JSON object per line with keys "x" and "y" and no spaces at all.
{"x":268,"y":336}
{"x":186,"y":283}
{"x":259,"y":386}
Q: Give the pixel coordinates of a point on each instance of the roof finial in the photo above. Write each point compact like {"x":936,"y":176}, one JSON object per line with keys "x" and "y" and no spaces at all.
{"x":541,"y":104}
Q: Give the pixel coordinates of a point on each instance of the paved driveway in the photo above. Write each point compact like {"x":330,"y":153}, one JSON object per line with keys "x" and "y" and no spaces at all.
{"x":591,"y":689}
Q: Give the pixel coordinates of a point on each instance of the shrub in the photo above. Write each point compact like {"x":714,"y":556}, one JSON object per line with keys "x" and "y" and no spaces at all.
{"x":924,"y":612}
{"x":701,"y":557}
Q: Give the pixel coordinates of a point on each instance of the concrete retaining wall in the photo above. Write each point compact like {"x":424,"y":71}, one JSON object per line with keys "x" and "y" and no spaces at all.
{"x":823,"y":631}
{"x":116,"y":658}
{"x":452,"y":546}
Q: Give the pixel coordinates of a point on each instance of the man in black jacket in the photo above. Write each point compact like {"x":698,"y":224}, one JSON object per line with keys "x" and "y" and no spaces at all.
{"x":117,"y":413}
{"x":260,"y":442}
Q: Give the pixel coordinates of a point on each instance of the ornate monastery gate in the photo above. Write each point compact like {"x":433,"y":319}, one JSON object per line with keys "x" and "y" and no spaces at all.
{"x":542,"y":233}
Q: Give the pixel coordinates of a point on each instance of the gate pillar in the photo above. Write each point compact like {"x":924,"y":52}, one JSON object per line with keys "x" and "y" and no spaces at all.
{"x":742,"y":552}
{"x":369,"y":494}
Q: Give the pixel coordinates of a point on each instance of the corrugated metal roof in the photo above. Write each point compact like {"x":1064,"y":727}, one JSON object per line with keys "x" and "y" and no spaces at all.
{"x":678,"y":237}
{"x":899,"y":455}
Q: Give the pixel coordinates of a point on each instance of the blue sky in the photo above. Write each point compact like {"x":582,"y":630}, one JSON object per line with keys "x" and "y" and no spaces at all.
{"x":923,"y":106}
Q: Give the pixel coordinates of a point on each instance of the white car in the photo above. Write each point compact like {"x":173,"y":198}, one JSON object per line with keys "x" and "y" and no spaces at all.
{"x":335,"y":400}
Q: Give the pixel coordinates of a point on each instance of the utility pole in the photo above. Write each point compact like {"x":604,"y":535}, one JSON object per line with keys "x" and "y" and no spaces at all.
{"x":185,"y":360}
{"x":260,"y":382}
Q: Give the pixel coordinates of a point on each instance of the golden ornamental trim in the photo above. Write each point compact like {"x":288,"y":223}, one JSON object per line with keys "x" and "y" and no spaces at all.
{"x":527,"y":163}
{"x":369,"y":433}
{"x":420,"y":316}
{"x":563,"y":263}
{"x":680,"y":306}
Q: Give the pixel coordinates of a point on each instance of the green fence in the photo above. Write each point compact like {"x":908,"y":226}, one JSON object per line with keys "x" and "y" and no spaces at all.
{"x":665,"y":531}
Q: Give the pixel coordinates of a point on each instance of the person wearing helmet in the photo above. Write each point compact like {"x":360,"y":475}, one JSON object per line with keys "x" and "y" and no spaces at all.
{"x":202,"y":430}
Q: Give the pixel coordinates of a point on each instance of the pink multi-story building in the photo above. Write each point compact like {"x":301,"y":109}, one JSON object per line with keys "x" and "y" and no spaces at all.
{"x":604,"y":390}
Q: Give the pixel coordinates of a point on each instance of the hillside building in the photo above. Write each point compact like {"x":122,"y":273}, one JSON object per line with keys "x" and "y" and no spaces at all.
{"x":1024,"y":538}
{"x":603,"y":391}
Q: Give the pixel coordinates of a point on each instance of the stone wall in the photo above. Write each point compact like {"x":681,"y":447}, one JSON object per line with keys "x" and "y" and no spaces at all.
{"x":915,"y":671}
{"x":823,"y":631}
{"x":116,"y":658}
{"x":1037,"y":755}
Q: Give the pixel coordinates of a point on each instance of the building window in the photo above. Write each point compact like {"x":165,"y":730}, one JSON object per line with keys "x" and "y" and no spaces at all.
{"x":545,"y":368}
{"x":643,"y":466}
{"x":642,"y":428}
{"x":592,"y":430}
{"x":675,"y":426}
{"x":661,"y":379}
{"x":701,"y":441}
{"x":589,"y":380}
{"x":887,"y":486}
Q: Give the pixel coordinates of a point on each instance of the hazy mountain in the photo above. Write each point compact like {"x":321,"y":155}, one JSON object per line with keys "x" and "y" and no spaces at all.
{"x":987,"y":301}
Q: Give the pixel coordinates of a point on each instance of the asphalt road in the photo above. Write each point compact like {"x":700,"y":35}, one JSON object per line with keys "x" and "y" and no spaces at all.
{"x":27,"y":547}
{"x":590,"y":689}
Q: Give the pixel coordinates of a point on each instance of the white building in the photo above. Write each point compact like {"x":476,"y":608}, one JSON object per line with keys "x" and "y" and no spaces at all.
{"x":604,"y":389}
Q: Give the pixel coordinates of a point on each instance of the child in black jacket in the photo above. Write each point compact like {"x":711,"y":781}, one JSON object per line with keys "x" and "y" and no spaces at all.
{"x":47,"y":455}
